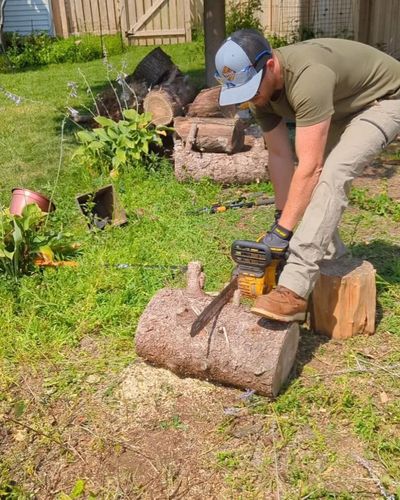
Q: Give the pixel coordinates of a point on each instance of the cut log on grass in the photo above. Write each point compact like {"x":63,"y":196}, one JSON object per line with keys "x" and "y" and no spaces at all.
{"x":343,"y":302}
{"x":248,"y":165}
{"x":212,"y":135}
{"x":206,"y":104}
{"x":236,"y":348}
{"x":169,"y":99}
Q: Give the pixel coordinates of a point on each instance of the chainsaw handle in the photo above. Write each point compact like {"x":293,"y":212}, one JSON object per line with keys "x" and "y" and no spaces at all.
{"x":251,"y":253}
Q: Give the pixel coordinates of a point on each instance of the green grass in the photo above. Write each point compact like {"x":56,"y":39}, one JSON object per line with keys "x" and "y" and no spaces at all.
{"x":329,"y":409}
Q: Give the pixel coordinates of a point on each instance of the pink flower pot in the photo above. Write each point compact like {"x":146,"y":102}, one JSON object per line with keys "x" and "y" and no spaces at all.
{"x":22,"y":197}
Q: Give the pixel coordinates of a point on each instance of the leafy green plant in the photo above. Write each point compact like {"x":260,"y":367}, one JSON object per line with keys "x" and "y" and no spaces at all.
{"x":25,"y":242}
{"x":242,"y":15}
{"x":115,"y":146}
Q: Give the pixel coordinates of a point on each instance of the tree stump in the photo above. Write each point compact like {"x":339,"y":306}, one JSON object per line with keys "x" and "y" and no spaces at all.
{"x":206,"y":104}
{"x":343,"y":302}
{"x":248,"y":165}
{"x":211,"y":135}
{"x":236,"y":348}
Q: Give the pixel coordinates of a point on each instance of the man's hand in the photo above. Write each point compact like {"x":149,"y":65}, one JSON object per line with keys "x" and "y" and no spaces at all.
{"x":277,"y":240}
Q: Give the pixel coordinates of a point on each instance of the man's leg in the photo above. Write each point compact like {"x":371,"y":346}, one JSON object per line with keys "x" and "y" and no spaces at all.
{"x":364,"y":138}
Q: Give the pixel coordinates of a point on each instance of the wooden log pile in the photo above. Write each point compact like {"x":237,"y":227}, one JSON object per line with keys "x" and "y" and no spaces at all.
{"x":237,"y":348}
{"x":210,"y":140}
{"x":156,"y":79}
{"x":250,"y":164}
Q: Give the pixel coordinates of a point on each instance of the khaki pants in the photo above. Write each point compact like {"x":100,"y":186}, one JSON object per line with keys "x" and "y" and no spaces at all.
{"x":352,"y":146}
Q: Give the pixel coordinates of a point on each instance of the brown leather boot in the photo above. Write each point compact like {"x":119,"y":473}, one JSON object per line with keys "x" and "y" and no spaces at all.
{"x":281,"y":304}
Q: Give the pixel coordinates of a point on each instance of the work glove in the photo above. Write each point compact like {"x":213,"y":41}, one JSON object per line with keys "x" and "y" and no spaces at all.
{"x":278,"y":241}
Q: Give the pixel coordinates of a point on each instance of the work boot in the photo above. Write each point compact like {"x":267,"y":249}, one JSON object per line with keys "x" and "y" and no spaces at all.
{"x":281,"y":304}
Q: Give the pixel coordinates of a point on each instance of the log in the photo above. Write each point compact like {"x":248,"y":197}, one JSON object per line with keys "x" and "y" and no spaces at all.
{"x":206,"y":104}
{"x":343,"y":302}
{"x":237,"y":348}
{"x":169,"y":99}
{"x":154,"y":68}
{"x":212,"y":135}
{"x":248,"y":165}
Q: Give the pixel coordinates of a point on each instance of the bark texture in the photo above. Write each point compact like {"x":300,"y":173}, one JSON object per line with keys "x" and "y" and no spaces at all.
{"x":210,"y":135}
{"x":236,"y":348}
{"x":343,"y":303}
{"x":248,"y":165}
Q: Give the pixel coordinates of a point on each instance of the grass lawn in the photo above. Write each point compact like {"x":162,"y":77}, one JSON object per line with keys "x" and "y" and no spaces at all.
{"x":67,"y":336}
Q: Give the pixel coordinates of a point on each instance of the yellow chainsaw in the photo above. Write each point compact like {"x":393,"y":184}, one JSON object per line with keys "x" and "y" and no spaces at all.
{"x":256,"y":274}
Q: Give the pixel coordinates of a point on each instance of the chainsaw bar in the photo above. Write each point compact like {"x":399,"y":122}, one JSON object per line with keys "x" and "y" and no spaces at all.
{"x":214,"y":307}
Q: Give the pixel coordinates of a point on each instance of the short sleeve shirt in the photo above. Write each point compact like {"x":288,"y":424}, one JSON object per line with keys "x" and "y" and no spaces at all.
{"x":329,"y":77}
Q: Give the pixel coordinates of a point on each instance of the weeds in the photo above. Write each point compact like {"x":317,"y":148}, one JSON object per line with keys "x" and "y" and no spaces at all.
{"x":380,"y":204}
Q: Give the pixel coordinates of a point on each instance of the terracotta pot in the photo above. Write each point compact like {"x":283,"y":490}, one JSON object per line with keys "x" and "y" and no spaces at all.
{"x":22,"y":197}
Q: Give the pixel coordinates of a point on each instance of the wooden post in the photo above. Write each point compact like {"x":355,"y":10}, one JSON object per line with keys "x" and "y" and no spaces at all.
{"x":343,"y":302}
{"x":60,"y":19}
{"x":362,"y":18}
{"x":214,"y":33}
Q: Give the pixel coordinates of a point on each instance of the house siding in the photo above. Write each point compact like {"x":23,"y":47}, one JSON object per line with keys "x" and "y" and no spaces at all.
{"x":25,"y":16}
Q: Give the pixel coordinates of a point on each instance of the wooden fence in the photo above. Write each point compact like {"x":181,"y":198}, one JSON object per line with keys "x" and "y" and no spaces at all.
{"x":148,"y":22}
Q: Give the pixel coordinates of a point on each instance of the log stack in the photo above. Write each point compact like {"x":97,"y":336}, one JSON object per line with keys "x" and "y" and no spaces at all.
{"x":249,"y":164}
{"x":212,"y":141}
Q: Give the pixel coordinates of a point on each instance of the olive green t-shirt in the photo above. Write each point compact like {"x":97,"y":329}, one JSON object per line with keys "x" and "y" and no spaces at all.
{"x":329,"y":77}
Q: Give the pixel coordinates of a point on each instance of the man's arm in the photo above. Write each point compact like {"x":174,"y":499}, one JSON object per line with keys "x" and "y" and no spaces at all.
{"x":310,"y":148}
{"x":280,"y":162}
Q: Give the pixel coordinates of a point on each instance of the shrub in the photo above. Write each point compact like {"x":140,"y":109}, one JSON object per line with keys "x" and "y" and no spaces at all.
{"x":39,"y":49}
{"x":114,"y":146}
{"x":242,"y":15}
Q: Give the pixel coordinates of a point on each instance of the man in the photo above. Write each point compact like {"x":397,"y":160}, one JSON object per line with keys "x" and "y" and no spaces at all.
{"x":345,"y":99}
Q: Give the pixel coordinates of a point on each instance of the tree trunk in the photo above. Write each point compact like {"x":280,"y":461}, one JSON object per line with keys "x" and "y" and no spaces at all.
{"x":236,"y":348}
{"x":249,"y":165}
{"x":211,"y":135}
{"x":343,"y":302}
{"x":206,"y":104}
